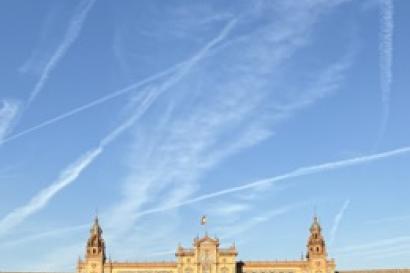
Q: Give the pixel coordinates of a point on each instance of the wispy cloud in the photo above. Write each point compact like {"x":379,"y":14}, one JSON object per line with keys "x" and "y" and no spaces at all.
{"x":392,"y":219}
{"x":60,"y":260}
{"x":378,"y":248}
{"x":44,"y":235}
{"x":300,"y":172}
{"x":74,"y":28}
{"x":403,"y":251}
{"x":8,"y":113}
{"x":386,"y":59}
{"x":168,"y":160}
{"x":193,"y":142}
{"x":143,"y":101}
{"x":134,"y":189}
{"x":336,"y":222}
{"x":223,"y":116}
{"x":228,"y":209}
{"x":236,"y":229}
{"x":303,"y":171}
{"x":139,"y":84}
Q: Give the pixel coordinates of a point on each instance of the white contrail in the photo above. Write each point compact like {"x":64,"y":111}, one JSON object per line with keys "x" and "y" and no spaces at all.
{"x":386,"y":59}
{"x":337,"y":220}
{"x":41,"y":199}
{"x":300,"y":172}
{"x":69,"y":175}
{"x":8,"y":113}
{"x":70,"y":36}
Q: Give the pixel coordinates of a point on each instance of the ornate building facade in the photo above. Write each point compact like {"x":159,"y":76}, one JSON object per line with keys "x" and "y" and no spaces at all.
{"x":206,"y":256}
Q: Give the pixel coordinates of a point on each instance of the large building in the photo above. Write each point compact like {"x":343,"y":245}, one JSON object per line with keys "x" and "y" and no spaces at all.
{"x":206,"y":256}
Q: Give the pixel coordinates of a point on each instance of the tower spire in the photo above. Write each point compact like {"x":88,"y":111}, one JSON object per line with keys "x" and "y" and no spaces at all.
{"x":95,"y":243}
{"x":316,"y":246}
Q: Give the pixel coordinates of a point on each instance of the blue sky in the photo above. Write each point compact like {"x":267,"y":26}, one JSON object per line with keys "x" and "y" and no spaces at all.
{"x":251,"y":112}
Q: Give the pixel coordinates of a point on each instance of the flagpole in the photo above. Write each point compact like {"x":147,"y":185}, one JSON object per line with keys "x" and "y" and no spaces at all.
{"x":204,"y":222}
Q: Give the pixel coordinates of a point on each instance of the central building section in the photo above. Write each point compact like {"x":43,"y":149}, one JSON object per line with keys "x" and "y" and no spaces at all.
{"x":206,"y":257}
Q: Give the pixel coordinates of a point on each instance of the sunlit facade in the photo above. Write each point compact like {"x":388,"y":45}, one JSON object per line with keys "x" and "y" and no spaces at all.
{"x":206,"y":256}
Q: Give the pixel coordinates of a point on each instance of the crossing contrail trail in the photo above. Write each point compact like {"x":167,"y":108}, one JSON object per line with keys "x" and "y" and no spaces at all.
{"x":300,"y":172}
{"x":93,"y":103}
{"x":70,"y":174}
{"x":74,"y":28}
{"x":386,"y":59}
{"x":123,"y":91}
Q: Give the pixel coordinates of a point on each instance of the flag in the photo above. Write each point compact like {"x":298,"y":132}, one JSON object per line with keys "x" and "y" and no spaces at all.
{"x":204,"y":220}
